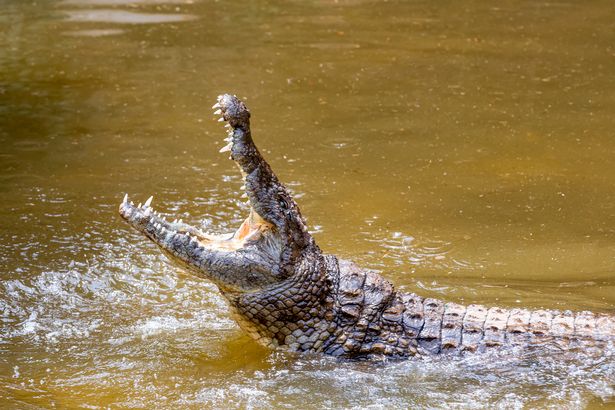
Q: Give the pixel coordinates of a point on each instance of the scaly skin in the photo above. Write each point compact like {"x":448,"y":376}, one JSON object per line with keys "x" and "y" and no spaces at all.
{"x":285,"y":292}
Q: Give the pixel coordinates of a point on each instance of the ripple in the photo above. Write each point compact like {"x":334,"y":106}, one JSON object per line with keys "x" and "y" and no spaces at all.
{"x":400,"y":248}
{"x":165,"y":324}
{"x":334,"y":46}
{"x":510,"y":379}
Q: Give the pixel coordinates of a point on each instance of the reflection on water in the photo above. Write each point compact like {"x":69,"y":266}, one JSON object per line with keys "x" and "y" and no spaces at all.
{"x":126,"y":17}
{"x":464,"y":151}
{"x":121,"y":2}
{"x":94,"y":33}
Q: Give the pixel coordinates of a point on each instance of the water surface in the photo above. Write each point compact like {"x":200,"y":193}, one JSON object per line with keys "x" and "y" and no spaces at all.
{"x":463,"y":149}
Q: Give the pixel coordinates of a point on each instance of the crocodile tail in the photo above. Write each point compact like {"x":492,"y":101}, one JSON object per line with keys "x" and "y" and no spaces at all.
{"x":441,"y":327}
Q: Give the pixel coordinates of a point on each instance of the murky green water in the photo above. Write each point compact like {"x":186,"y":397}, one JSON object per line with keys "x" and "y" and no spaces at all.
{"x":464,"y":149}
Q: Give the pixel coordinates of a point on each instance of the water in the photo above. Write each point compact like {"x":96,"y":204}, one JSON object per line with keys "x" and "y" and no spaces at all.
{"x":465,"y":150}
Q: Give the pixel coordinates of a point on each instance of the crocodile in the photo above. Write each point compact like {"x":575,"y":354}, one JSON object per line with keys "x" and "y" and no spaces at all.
{"x":284,"y":291}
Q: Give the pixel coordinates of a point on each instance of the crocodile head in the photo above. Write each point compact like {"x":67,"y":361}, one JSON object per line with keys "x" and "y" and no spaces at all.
{"x":267,"y":245}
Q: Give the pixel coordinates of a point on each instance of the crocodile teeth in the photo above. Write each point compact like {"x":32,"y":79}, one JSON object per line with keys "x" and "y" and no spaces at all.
{"x":226,"y":147}
{"x":244,"y":195}
{"x":227,"y":125}
{"x":149,"y":201}
{"x":148,"y":211}
{"x":218,"y":112}
{"x":132,"y":203}
{"x":229,"y":138}
{"x":220,"y":119}
{"x":216,"y":105}
{"x":125,"y":199}
{"x":175,"y":221}
{"x":180,"y":221}
{"x":139,"y":206}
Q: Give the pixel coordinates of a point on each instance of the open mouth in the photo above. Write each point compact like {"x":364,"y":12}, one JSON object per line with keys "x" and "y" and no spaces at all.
{"x":263,"y":249}
{"x":156,"y":227}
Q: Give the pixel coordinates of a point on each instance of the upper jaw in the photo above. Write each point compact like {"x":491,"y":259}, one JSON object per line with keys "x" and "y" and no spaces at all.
{"x":268,"y":197}
{"x":232,"y":110}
